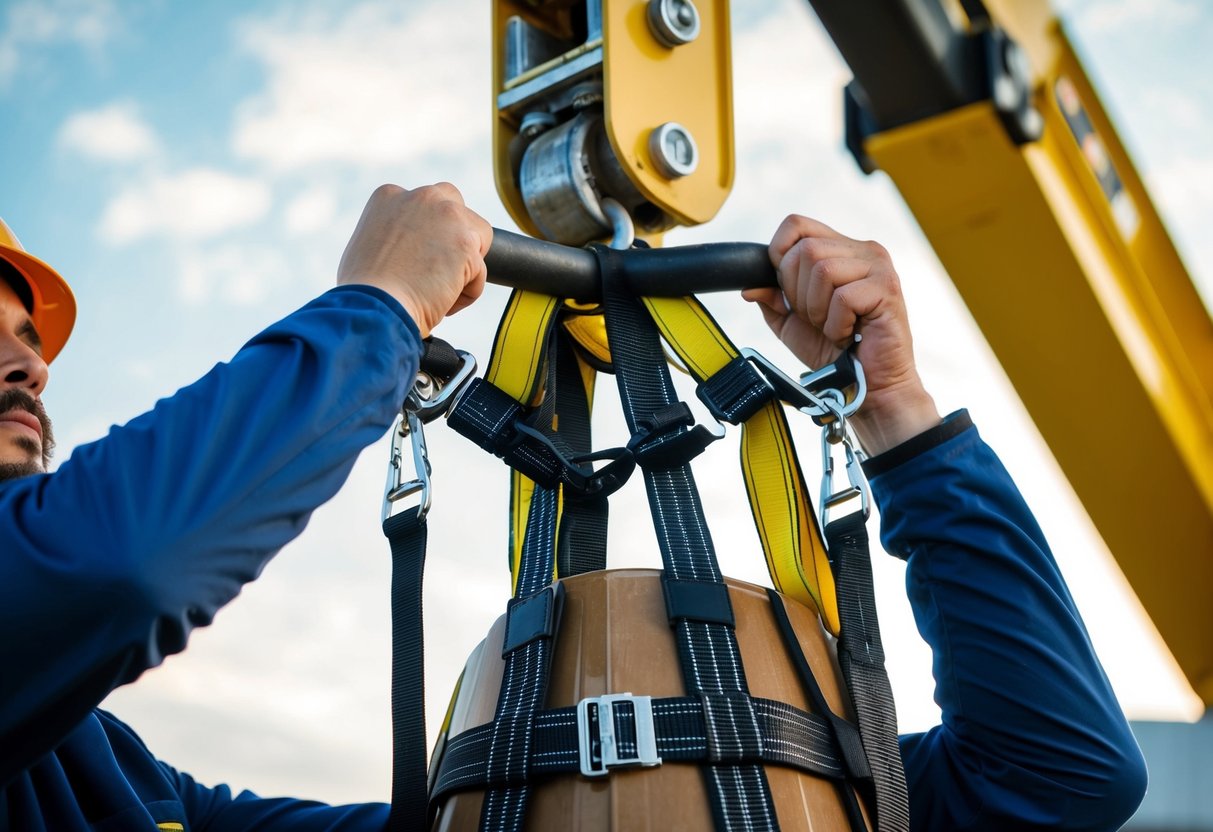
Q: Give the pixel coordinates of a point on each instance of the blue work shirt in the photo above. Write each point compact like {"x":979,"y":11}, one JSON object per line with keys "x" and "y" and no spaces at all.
{"x":1032,"y":736}
{"x":111,"y":561}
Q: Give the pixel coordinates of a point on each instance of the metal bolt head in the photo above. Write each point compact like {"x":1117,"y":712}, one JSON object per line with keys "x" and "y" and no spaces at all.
{"x":673,"y":150}
{"x":673,"y":22}
{"x":536,"y":122}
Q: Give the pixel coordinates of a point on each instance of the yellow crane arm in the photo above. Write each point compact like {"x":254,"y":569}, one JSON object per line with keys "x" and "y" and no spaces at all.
{"x":987,"y":123}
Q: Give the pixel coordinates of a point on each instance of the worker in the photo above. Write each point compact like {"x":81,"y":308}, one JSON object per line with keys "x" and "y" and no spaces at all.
{"x":110,"y":562}
{"x":1032,"y":736}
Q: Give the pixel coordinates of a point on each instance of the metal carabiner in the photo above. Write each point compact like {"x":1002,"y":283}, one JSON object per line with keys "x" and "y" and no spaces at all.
{"x":834,"y":433}
{"x":428,"y":399}
{"x":408,"y":425}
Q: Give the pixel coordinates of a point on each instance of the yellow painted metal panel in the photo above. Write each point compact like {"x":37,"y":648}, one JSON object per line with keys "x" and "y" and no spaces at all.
{"x":648,"y":84}
{"x":1098,"y":325}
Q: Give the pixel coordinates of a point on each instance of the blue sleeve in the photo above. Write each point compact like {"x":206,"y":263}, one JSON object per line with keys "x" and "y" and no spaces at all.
{"x":112,"y":560}
{"x":216,"y":810}
{"x":1032,"y":736}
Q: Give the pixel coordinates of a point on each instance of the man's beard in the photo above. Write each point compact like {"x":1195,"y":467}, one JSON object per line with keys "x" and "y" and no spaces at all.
{"x":21,"y":400}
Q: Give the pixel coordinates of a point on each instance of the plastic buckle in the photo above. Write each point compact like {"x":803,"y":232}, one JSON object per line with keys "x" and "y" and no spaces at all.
{"x":397,"y":488}
{"x":598,"y":747}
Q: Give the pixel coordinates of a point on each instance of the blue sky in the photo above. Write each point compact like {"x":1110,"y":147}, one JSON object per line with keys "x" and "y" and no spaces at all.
{"x":195,"y":168}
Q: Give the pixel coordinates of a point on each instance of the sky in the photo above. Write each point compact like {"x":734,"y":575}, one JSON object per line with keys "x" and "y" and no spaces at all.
{"x":195,"y":169}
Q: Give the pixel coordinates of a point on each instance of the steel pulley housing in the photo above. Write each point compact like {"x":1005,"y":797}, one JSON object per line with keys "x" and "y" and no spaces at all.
{"x":622,"y":99}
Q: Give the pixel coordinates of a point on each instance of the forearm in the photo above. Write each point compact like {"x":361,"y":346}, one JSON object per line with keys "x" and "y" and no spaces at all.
{"x":111,"y":561}
{"x":1032,"y":734}
{"x":895,"y":416}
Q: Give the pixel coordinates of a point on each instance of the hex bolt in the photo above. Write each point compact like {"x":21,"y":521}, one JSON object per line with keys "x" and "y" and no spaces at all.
{"x":536,"y":122}
{"x":673,"y":150}
{"x":673,"y":22}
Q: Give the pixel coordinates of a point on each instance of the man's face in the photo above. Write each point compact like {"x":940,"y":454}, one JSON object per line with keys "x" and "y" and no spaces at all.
{"x":25,"y":430}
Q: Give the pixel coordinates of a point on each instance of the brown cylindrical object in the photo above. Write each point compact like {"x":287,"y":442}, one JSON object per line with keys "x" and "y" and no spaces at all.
{"x":614,"y":637}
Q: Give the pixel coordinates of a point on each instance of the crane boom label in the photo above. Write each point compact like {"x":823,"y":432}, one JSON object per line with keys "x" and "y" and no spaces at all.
{"x":1096,"y":155}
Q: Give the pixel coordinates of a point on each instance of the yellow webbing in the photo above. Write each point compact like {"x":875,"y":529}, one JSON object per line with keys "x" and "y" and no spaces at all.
{"x":517,"y":367}
{"x":590,"y":332}
{"x":516,"y":362}
{"x":787,"y":526}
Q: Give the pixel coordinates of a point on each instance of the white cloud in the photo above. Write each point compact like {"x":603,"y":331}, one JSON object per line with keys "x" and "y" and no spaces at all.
{"x":232,"y":274}
{"x":311,"y":211}
{"x":38,"y":23}
{"x":1120,"y":14}
{"x":115,"y":133}
{"x":194,"y":204}
{"x":783,"y":68}
{"x":380,"y":83}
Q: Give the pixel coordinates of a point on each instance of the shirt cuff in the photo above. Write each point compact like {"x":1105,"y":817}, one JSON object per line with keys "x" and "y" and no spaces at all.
{"x":389,"y":301}
{"x":953,"y":425}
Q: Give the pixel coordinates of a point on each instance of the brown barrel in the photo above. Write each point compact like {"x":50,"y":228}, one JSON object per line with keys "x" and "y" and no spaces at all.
{"x":614,"y":637}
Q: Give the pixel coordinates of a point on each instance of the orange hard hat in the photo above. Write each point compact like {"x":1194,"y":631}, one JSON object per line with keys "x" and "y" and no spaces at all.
{"x":49,"y":299}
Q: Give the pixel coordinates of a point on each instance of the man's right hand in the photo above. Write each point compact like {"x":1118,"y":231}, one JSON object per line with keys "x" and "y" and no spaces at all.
{"x":424,"y":247}
{"x":832,"y":287}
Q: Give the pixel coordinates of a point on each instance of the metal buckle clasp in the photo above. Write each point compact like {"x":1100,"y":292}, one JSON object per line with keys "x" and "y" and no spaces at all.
{"x":427,"y":400}
{"x":837,"y":432}
{"x":397,"y":488}
{"x":598,"y":745}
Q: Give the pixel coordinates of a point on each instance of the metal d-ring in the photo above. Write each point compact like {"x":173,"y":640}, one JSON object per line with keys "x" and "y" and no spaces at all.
{"x":623,"y":230}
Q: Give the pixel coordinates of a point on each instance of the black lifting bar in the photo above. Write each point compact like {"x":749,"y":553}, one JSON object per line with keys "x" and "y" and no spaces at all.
{"x":522,"y":262}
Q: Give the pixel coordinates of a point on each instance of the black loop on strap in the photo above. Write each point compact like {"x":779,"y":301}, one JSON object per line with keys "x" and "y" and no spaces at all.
{"x":736,"y":391}
{"x":534,"y":617}
{"x":663,"y":440}
{"x":439,"y":359}
{"x":491,"y":418}
{"x":697,"y":601}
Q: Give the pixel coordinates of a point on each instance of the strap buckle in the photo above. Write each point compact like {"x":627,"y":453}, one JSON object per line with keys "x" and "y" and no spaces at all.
{"x":599,"y":746}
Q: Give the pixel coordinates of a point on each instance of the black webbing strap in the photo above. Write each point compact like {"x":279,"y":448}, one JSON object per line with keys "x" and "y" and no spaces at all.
{"x":861,"y":659}
{"x":583,"y":523}
{"x":682,"y":727}
{"x":842,"y":733}
{"x":493,"y":420}
{"x":527,"y":668}
{"x":406,"y":532}
{"x":708,"y":651}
